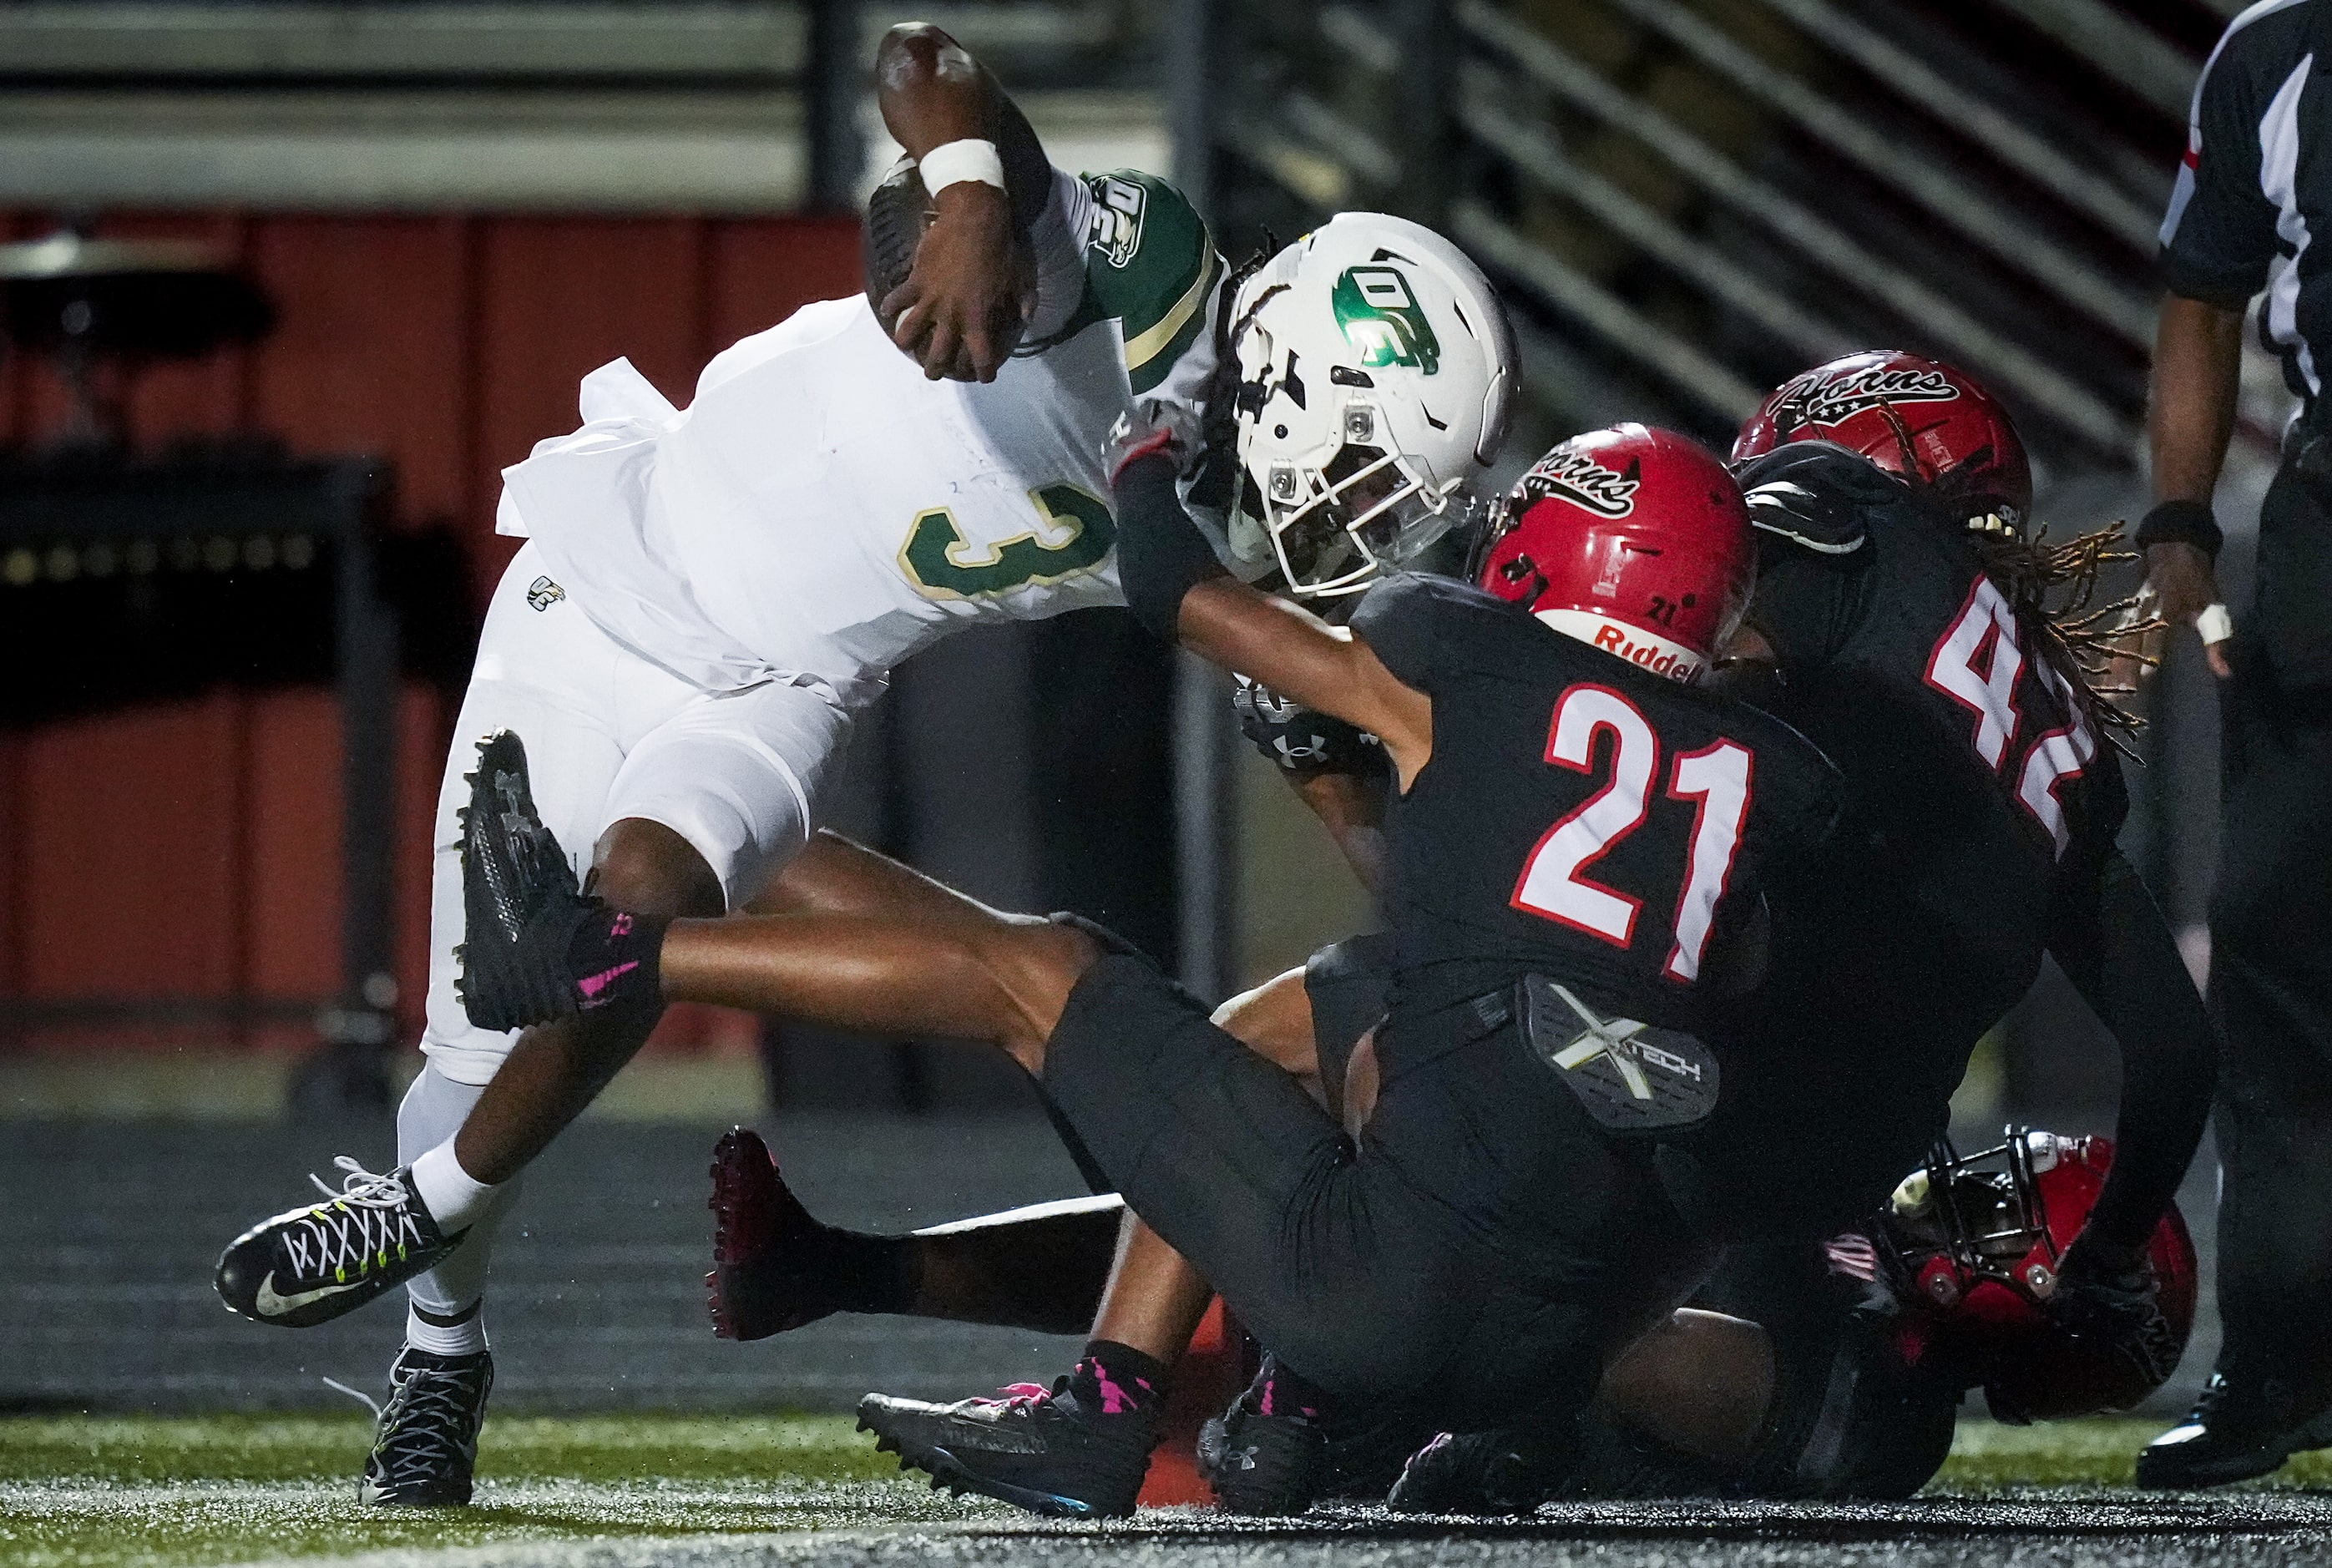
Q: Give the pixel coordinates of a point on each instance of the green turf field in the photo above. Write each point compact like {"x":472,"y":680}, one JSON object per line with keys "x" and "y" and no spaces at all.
{"x":146,"y":1493}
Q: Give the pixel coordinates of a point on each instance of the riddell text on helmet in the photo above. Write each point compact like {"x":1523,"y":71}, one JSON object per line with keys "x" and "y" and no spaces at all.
{"x":1660,"y":658}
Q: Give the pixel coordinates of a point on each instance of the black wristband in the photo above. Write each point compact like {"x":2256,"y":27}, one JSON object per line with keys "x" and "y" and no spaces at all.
{"x":2180,"y":522}
{"x":1161,"y":554}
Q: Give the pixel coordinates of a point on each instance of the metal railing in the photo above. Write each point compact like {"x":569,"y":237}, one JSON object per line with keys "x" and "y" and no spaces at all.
{"x":1890,"y":196}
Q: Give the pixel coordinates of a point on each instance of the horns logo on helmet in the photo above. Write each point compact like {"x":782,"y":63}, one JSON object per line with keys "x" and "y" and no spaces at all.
{"x":1576,"y":477}
{"x":1818,"y":399}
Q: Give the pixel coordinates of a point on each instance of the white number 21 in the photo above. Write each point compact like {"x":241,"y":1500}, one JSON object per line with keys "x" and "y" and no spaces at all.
{"x":1715,"y":779}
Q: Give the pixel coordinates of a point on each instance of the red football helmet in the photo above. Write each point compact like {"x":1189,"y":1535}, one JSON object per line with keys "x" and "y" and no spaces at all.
{"x":1916,"y":419}
{"x":1973,"y":1244}
{"x":1632,"y":539}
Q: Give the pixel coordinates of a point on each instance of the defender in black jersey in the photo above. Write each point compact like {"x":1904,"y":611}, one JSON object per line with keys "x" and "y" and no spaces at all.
{"x":1578,"y":853}
{"x":1978,"y":835}
{"x":1902,"y":613}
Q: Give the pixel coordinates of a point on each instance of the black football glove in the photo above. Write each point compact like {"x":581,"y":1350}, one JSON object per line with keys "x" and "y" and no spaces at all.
{"x":1294,"y":737}
{"x":2108,"y":1300}
{"x":1813,"y":493}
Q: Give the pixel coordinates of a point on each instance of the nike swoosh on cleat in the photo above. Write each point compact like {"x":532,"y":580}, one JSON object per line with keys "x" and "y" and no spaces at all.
{"x":267,"y":1304}
{"x":591,"y":985}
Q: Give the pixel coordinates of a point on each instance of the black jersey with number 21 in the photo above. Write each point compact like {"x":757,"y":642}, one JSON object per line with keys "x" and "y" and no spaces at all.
{"x":1579,"y":818}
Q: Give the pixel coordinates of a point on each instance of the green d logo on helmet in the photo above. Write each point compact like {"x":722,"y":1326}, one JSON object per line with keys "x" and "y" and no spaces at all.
{"x":1383,"y":320}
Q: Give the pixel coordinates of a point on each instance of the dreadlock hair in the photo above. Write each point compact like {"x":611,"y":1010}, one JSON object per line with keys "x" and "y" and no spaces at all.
{"x":2052,"y":589}
{"x":1219,"y":468}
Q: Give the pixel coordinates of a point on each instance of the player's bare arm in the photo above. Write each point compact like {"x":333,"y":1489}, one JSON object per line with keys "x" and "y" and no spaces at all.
{"x":960,"y":310}
{"x":1293,"y":651}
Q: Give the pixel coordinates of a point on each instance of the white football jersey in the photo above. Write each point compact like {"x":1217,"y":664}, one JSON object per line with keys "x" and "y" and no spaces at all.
{"x":822,"y":508}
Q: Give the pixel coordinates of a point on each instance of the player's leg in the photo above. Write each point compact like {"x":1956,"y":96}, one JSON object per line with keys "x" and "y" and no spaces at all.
{"x":429,"y":1432}
{"x":539,"y":672}
{"x":776,"y":1268}
{"x":2272,"y":989}
{"x":705,"y":809}
{"x":1045,"y":1268}
{"x":1205,"y":1137}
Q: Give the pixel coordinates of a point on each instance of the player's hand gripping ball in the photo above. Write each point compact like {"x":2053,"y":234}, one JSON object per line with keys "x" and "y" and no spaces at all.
{"x":950,"y":278}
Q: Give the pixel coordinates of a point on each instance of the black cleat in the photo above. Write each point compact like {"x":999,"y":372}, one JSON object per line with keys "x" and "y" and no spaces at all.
{"x":310,"y":1266}
{"x":1268,"y":1455}
{"x":1043,"y":1451}
{"x":520,"y":903}
{"x":1495,"y":1472}
{"x":424,"y":1445}
{"x":772,"y":1267}
{"x":2239,"y":1429}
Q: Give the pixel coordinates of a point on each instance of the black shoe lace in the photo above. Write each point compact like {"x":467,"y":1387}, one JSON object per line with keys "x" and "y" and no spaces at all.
{"x":429,"y":1428}
{"x":361,"y":1226}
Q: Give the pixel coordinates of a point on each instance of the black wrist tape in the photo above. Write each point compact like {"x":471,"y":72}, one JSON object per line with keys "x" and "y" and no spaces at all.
{"x":1161,"y":554}
{"x":2180,"y":522}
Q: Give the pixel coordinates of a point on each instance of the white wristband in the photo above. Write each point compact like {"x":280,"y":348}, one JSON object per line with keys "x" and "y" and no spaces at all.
{"x":2214,"y":624}
{"x":954,"y":162}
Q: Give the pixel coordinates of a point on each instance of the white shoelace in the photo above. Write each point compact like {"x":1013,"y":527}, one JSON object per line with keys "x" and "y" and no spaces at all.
{"x":361,"y":1186}
{"x":365,"y":1219}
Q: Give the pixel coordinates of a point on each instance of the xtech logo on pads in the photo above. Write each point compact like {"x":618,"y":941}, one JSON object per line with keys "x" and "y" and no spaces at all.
{"x":1382,"y":318}
{"x":1578,"y":478}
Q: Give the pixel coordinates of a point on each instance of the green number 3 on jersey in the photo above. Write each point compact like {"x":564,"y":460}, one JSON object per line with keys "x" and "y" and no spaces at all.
{"x":942,"y":564}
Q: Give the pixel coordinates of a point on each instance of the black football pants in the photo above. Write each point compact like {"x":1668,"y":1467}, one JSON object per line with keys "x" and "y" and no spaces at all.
{"x":1470,"y":1260}
{"x":2271,"y":991}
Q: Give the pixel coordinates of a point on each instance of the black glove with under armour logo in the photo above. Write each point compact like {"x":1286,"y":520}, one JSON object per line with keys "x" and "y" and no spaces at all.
{"x":2113,"y":1305}
{"x":1294,"y":738}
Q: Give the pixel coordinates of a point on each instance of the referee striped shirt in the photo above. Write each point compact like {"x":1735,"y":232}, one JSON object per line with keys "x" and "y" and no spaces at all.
{"x":2252,"y":209}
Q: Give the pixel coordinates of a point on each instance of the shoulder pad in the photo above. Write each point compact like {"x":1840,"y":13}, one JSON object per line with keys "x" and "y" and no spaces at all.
{"x":1151,"y":263}
{"x":1815,"y":494}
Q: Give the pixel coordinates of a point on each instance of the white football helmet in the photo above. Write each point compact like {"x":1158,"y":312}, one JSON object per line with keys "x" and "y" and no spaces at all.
{"x":1377,"y":379}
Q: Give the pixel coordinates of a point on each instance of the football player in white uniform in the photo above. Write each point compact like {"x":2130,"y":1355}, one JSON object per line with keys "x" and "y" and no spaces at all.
{"x":706,"y":597}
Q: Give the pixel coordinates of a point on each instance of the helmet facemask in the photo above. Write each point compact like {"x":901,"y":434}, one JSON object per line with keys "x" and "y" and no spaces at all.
{"x":1982,"y":1213}
{"x":1335,"y":528}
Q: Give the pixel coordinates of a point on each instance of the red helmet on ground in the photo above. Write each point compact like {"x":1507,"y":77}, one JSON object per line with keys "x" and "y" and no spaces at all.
{"x":1632,"y":539}
{"x":1917,"y":418}
{"x":1972,"y":1243}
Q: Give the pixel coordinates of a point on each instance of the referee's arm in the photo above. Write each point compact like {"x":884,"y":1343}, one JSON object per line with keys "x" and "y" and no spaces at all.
{"x":2198,"y":354}
{"x":2218,"y":239}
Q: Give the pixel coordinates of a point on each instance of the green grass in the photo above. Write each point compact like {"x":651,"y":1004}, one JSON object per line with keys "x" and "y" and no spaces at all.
{"x":1987,"y":1459}
{"x":128,"y":1492}
{"x":157,"y":1493}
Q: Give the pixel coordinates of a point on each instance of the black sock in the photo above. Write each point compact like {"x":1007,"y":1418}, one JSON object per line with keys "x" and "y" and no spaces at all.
{"x":1289,"y":1393}
{"x":874,"y":1273}
{"x":1118,"y":1380}
{"x":616,"y":957}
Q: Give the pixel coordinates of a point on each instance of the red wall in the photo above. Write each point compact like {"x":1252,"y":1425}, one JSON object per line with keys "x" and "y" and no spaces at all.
{"x":192,"y":849}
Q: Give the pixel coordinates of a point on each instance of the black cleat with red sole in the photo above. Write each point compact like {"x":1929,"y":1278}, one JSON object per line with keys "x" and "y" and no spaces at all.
{"x":773,"y":1266}
{"x":1048,"y":1451}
